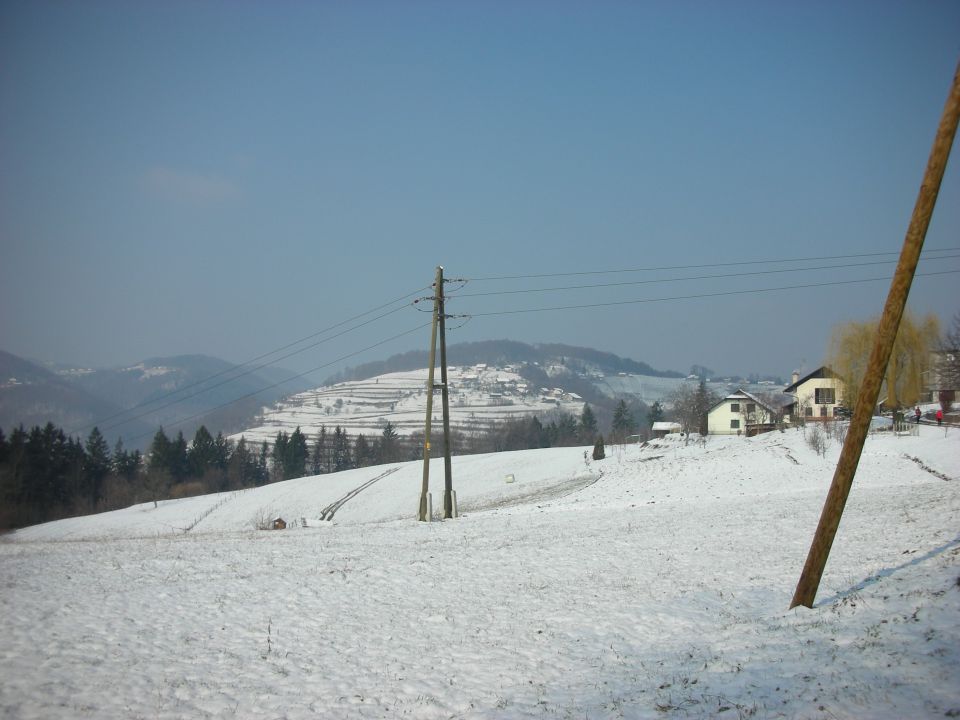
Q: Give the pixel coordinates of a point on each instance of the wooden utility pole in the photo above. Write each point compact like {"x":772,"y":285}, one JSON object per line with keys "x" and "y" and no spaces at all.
{"x":445,"y":397}
{"x":889,"y":324}
{"x":425,"y":487}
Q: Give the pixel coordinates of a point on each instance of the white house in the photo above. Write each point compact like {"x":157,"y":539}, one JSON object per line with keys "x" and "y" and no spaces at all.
{"x":817,"y":395}
{"x":741,"y":413}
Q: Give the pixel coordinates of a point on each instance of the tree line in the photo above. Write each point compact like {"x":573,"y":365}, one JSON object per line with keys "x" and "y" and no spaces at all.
{"x":47,"y":475}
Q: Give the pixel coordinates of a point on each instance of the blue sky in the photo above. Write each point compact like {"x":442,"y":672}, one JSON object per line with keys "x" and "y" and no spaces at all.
{"x":228,"y":177}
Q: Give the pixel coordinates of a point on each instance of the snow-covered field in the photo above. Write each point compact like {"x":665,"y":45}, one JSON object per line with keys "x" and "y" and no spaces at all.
{"x":651,"y":584}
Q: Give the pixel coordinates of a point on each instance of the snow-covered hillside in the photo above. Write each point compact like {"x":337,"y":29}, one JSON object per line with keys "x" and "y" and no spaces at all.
{"x":479,"y":396}
{"x":651,"y":584}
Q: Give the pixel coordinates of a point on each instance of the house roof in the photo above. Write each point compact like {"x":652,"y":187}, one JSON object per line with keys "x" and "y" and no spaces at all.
{"x":741,"y":394}
{"x":821,"y":372}
{"x":664,"y":425}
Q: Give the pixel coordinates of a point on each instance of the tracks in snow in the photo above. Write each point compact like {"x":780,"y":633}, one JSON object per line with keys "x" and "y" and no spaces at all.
{"x":935,"y":473}
{"x":330,"y":510}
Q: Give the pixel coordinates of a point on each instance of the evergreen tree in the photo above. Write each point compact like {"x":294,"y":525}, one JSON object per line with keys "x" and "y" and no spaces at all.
{"x":159,"y":452}
{"x":328,"y":459}
{"x":222,"y":451}
{"x":125,"y":464}
{"x":702,"y":400}
{"x":202,"y":455}
{"x":290,"y":454}
{"x":341,"y":450}
{"x":562,"y":431}
{"x":11,"y":480}
{"x":655,"y":413}
{"x":120,"y":458}
{"x":278,"y":456}
{"x":536,"y":435}
{"x":362,"y":452}
{"x":242,"y":466}
{"x":179,"y":469}
{"x":96,"y":466}
{"x":318,"y":458}
{"x":388,"y":449}
{"x":623,"y":422}
{"x":599,"y":452}
{"x":134,"y":464}
{"x":76,"y":497}
{"x":588,"y":425}
{"x":263,"y":474}
{"x":296,"y":455}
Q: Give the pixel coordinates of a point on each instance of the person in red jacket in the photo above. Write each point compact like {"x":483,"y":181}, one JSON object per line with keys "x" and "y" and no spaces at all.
{"x":939,"y":416}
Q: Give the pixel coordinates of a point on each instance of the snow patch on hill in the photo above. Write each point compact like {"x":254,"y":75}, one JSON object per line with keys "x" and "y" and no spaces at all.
{"x":480,"y":396}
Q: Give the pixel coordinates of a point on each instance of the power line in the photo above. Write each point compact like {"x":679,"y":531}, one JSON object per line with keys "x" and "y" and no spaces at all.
{"x":289,"y":379}
{"x":236,"y":375}
{"x":698,"y":296}
{"x":680,"y":279}
{"x":695,"y":267}
{"x":251,"y":370}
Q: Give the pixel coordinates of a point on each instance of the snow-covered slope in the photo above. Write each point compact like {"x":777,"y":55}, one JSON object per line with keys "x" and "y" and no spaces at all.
{"x":479,"y":396}
{"x":654,"y":583}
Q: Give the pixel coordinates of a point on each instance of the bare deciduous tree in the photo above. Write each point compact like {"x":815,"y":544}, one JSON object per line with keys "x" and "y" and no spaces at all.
{"x":948,"y":363}
{"x":691,"y":405}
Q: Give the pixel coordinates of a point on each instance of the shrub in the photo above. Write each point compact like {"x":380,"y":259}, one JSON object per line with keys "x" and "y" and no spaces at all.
{"x":598,"y":450}
{"x":817,"y":440}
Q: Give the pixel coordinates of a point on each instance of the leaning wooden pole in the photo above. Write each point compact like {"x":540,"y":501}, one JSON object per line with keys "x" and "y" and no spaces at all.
{"x":879,"y":357}
{"x":423,"y":514}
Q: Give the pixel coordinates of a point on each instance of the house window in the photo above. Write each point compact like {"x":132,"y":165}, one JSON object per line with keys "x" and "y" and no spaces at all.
{"x":734,"y":424}
{"x":751,"y":408}
{"x":824,"y":396}
{"x":734,"y":407}
{"x":823,"y":412}
{"x":808,"y":412}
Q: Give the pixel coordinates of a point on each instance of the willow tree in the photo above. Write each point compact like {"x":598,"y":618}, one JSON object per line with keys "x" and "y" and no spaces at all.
{"x":852,"y":342}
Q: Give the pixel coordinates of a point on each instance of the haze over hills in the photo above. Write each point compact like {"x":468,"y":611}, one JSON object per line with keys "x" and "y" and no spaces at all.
{"x":32,"y":395}
{"x":132,"y":401}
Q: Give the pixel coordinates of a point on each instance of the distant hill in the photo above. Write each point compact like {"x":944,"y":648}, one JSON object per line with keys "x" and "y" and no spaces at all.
{"x":157,"y":391}
{"x":32,"y":395}
{"x":507,"y":352}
